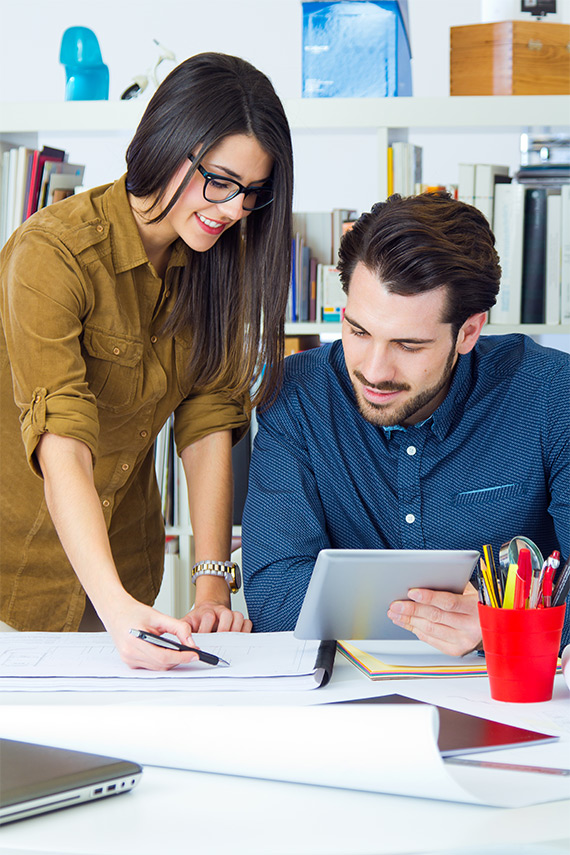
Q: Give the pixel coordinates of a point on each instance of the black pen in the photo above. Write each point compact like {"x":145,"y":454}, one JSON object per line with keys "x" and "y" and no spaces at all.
{"x":169,"y":644}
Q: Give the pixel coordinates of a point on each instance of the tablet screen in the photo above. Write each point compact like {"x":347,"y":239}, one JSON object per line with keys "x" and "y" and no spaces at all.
{"x":350,"y":590}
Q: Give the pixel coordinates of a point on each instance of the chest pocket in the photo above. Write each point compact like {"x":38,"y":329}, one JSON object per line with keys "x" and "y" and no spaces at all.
{"x":114,"y":368}
{"x":502,"y":493}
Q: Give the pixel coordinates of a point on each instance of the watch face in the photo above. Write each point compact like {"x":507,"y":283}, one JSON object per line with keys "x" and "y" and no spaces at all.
{"x":237,"y":574}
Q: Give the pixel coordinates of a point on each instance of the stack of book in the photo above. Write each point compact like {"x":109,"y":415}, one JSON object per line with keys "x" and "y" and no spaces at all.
{"x":477,"y":183}
{"x":31,"y":179}
{"x":404,"y":169}
{"x":316,"y":293}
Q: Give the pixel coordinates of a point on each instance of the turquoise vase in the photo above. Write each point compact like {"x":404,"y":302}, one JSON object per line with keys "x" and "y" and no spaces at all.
{"x":86,"y":75}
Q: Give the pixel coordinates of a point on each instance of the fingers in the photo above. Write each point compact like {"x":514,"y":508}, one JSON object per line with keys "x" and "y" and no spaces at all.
{"x":217,"y":618}
{"x":447,"y":621}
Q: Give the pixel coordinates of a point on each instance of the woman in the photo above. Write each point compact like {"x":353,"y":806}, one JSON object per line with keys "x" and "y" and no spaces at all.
{"x":163,"y":292}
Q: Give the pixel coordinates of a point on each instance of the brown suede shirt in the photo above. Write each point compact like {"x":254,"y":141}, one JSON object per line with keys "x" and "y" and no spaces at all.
{"x":82,"y":355}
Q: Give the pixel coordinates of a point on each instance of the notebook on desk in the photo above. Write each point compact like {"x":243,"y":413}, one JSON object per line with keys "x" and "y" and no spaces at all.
{"x":35,"y":779}
{"x":461,"y":733}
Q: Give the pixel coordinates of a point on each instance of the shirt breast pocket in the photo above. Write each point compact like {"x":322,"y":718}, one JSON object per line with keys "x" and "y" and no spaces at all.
{"x":114,"y":368}
{"x":489,"y":495}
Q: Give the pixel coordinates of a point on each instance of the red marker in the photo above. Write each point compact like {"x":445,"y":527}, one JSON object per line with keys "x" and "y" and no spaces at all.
{"x":525,"y":572}
{"x":547,"y":587}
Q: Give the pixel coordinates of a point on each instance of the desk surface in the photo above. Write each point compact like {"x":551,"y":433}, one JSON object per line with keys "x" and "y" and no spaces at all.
{"x":209,"y":814}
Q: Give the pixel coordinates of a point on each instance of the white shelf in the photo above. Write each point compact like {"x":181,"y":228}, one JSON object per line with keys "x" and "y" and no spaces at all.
{"x":310,"y":113}
{"x":311,"y":328}
{"x":443,"y":112}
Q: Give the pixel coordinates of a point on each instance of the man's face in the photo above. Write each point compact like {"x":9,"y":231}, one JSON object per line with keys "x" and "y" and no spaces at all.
{"x":399,"y":354}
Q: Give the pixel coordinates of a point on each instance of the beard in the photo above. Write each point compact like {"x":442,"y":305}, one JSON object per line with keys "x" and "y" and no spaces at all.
{"x":380,"y":414}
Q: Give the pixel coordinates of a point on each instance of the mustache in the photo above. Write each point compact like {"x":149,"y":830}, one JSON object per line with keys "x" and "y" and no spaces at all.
{"x":388,"y":386}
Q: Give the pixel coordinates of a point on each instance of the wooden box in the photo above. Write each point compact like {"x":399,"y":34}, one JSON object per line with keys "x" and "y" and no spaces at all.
{"x":510,"y":58}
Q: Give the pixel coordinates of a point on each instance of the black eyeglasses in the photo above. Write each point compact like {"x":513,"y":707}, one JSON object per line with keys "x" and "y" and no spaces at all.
{"x":218,"y":188}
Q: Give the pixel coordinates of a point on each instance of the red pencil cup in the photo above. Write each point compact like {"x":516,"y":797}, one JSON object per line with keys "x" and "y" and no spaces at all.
{"x":521,"y":651}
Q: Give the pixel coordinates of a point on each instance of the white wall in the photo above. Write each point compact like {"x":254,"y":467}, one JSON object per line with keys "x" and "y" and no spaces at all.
{"x":266,"y":32}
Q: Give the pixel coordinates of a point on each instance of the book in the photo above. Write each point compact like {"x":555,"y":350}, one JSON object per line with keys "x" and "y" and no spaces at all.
{"x":46,"y":155}
{"x":5,"y":149}
{"x":304,"y":282}
{"x":390,"y":167}
{"x":565,"y":254}
{"x":333,"y":297}
{"x":403,"y":660}
{"x":508,"y":227}
{"x":487,"y":175}
{"x":63,"y":184}
{"x":340,"y":216}
{"x":20,"y":185}
{"x":407,"y":168}
{"x":553,"y":258}
{"x":380,"y":662}
{"x":313,"y":268}
{"x":534,"y":256}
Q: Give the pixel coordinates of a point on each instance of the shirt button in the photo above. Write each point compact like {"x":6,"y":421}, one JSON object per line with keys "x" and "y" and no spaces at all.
{"x":99,"y":228}
{"x":167,"y":294}
{"x":124,"y":467}
{"x":154,"y":339}
{"x":106,"y":503}
{"x":411,"y":449}
{"x":116,"y":351}
{"x":410,"y":518}
{"x":144,"y":434}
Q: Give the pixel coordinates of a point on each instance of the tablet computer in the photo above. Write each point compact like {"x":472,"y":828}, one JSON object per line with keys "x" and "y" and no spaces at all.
{"x":350,"y":590}
{"x":39,"y":778}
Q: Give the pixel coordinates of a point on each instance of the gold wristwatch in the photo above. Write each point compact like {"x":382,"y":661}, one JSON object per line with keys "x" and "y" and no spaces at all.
{"x":228,"y":570}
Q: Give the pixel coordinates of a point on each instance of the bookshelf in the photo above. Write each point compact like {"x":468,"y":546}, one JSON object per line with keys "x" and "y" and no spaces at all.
{"x":387,"y":119}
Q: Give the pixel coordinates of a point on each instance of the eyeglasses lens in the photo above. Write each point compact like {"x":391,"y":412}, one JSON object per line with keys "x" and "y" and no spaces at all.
{"x":222,"y":191}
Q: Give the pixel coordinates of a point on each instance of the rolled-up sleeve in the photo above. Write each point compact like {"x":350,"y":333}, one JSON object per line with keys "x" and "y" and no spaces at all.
{"x":202,"y":414}
{"x":43,"y":305}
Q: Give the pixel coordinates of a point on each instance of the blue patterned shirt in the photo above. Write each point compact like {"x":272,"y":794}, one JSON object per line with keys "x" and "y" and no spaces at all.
{"x":492,"y":462}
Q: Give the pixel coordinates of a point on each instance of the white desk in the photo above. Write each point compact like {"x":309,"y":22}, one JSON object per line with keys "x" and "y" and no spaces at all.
{"x":204,"y":814}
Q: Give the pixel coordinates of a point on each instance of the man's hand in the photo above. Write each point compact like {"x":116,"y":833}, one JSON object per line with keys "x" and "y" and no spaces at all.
{"x":447,"y":621}
{"x":216,"y":617}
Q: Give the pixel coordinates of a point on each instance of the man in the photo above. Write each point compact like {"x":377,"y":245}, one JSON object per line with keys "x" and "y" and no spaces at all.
{"x":413,"y":432}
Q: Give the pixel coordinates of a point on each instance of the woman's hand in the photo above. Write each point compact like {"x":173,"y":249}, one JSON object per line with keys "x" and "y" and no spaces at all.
{"x":130,"y":614}
{"x":447,"y":621}
{"x":216,"y":617}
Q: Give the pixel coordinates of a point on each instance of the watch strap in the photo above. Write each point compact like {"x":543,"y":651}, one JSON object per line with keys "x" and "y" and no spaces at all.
{"x":227,"y":570}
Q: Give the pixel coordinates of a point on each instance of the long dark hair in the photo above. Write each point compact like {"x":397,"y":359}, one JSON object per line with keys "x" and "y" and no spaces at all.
{"x":418,"y":243}
{"x":232,"y":297}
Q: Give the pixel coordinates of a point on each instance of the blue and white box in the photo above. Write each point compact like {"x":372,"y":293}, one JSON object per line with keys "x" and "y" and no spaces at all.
{"x":356,"y":49}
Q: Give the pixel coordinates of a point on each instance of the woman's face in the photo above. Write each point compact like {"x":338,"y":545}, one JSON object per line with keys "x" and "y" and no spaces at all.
{"x":200,"y":223}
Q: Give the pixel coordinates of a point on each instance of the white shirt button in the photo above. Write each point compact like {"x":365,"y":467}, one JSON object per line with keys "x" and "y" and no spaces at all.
{"x":411,"y":449}
{"x":410,"y":518}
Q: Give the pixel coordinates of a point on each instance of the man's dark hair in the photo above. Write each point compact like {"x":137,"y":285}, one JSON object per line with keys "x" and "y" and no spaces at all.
{"x":418,"y":243}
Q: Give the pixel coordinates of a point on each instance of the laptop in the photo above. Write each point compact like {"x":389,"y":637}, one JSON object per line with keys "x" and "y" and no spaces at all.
{"x":35,"y":779}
